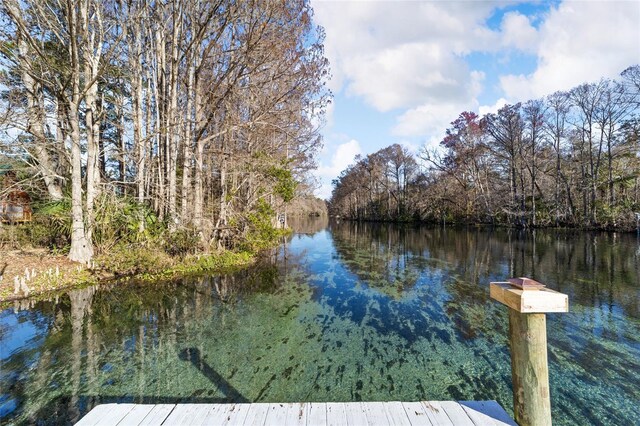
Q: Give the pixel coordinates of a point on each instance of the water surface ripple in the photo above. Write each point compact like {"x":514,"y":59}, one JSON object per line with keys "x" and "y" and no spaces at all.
{"x":340,"y":312}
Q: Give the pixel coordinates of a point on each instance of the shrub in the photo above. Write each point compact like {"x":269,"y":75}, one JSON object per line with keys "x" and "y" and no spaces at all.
{"x":127,"y":259}
{"x":123,"y":220}
{"x":181,"y":242}
{"x":51,"y":226}
{"x":260,"y":233}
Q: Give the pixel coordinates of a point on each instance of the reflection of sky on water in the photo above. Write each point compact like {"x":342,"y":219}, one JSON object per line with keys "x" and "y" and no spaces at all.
{"x":354,"y":312}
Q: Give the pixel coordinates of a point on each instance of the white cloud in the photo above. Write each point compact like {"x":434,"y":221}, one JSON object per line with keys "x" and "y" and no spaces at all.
{"x":433,"y":118}
{"x":339,"y":159}
{"x":491,"y":109}
{"x":404,"y":54}
{"x":342,"y":156}
{"x":518,"y":32}
{"x":408,"y":75}
{"x":579,"y":42}
{"x":428,"y":119}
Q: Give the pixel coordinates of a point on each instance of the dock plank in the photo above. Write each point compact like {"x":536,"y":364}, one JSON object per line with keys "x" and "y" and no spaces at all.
{"x":488,"y":413}
{"x":158,"y":414}
{"x":436,"y":413}
{"x":456,"y":413}
{"x":336,"y":414}
{"x":277,"y":414}
{"x":237,"y":415}
{"x":188,"y":414}
{"x":298,"y":414}
{"x":216,"y":415}
{"x":416,"y":414}
{"x":257,"y":414}
{"x":94,"y":416}
{"x":375,"y":413}
{"x":394,"y":413}
{"x":111,"y":414}
{"x":317,"y":414}
{"x":136,"y":415}
{"x":355,"y":414}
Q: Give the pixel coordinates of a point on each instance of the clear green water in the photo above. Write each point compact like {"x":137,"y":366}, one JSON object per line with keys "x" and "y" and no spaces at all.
{"x":347,"y":313}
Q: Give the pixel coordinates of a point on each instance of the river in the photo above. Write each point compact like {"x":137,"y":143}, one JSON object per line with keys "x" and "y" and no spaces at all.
{"x":340,"y":312}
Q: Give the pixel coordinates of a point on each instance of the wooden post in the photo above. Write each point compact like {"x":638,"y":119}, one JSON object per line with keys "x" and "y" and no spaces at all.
{"x":528,"y":301}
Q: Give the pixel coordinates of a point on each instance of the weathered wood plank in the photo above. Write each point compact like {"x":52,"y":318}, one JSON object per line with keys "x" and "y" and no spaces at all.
{"x":355,"y":414}
{"x":437,"y":415}
{"x":186,"y":414}
{"x":396,"y":414}
{"x":375,"y":413}
{"x":336,"y":414}
{"x":257,"y":414}
{"x":425,"y":413}
{"x":216,"y":414}
{"x":158,"y":414}
{"x":415,"y":413}
{"x":237,"y":414}
{"x":487,"y":413}
{"x":94,"y":416}
{"x":277,"y":414}
{"x":297,"y":415}
{"x":317,"y":414}
{"x":136,"y":415}
{"x":456,"y":413}
{"x":114,"y":414}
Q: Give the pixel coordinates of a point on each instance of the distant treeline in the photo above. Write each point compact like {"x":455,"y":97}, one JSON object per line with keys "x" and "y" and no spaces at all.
{"x":570,"y":159}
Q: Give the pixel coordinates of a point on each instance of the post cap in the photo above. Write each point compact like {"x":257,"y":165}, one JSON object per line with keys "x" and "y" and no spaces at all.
{"x":528,"y":296}
{"x":525,"y":283}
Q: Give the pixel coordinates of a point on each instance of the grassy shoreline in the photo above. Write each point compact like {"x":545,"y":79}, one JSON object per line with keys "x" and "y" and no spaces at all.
{"x":45,"y":274}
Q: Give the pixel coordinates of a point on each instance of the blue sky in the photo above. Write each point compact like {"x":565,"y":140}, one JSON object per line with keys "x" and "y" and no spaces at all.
{"x":403,"y":70}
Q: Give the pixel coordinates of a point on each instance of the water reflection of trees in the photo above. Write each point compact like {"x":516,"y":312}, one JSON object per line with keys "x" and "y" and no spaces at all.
{"x":67,"y":366}
{"x":595,"y":269}
{"x":378,"y":254}
{"x":308,"y":225}
{"x":63,"y":374}
{"x":443,"y":260}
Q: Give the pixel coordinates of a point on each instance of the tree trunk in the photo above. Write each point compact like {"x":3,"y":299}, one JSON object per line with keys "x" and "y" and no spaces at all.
{"x":92,"y":50}
{"x":188,"y":148}
{"x":81,"y":247}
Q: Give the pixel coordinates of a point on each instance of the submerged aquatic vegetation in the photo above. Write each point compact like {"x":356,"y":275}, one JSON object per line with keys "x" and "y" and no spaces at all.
{"x":302,"y":324}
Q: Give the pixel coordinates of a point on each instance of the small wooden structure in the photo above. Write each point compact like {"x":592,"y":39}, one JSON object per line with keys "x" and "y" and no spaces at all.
{"x":15,"y":207}
{"x":425,"y":413}
{"x":528,"y":301}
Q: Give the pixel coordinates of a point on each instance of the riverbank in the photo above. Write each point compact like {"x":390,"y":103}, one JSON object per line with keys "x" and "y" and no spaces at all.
{"x":627,"y":227}
{"x":33,"y":272}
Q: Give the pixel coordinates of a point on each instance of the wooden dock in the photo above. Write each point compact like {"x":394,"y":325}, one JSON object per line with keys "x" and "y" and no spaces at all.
{"x":425,"y":413}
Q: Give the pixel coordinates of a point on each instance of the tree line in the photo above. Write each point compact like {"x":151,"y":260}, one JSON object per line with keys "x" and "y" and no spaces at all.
{"x":205,"y":111}
{"x":569,"y":159}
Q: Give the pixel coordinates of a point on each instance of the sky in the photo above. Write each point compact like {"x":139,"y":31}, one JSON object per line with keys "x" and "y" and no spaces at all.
{"x":402,"y":71}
